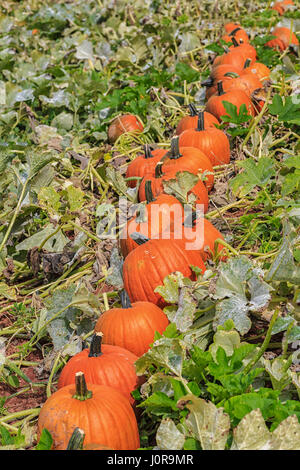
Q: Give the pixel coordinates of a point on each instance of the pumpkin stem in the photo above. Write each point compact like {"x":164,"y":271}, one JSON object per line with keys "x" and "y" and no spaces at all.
{"x":125,"y":300}
{"x":76,"y":440}
{"x":190,"y":219}
{"x":200,"y":124}
{"x":95,"y":349}
{"x":139,"y":238}
{"x":147,"y":150}
{"x":220,"y":89}
{"x":247,"y":63}
{"x":234,"y":42}
{"x":158,"y":169}
{"x":148,"y":192}
{"x":231,"y":75}
{"x":174,"y":152}
{"x":81,"y":391}
{"x":193,"y":110}
{"x":234,"y":31}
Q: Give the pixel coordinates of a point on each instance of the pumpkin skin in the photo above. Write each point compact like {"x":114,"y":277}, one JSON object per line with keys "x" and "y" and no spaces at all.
{"x":143,"y":164}
{"x":260,"y":70}
{"x":189,"y":122}
{"x":110,"y":365}
{"x":229,"y":27}
{"x":279,"y":7}
{"x":276,"y":44}
{"x":212,"y":142}
{"x":156,"y":222}
{"x":237,"y":97}
{"x":132,"y":327}
{"x":233,"y":58}
{"x":286,"y":36}
{"x":239,"y":34}
{"x":187,"y":159}
{"x":247,"y":82}
{"x":122,"y":124}
{"x":207,"y":235}
{"x":244,"y":50}
{"x":106,"y":417}
{"x":145,"y":268}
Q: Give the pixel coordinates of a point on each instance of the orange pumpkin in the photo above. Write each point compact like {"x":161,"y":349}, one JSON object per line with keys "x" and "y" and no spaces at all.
{"x":237,"y":97}
{"x":159,"y":215}
{"x":212,"y":142}
{"x":145,"y":268}
{"x":103,"y":365}
{"x":276,"y":44}
{"x":239,"y":34}
{"x":229,"y":27}
{"x":285,"y":35}
{"x":132,"y":327}
{"x":143,"y":164}
{"x":103,"y":413}
{"x":260,"y":70}
{"x":189,"y":122}
{"x":122,"y":124}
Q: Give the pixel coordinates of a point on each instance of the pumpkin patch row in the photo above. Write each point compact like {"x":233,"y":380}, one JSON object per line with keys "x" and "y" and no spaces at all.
{"x":93,"y":405}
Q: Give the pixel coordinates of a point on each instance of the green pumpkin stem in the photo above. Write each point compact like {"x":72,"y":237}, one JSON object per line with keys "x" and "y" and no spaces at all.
{"x":81,"y":391}
{"x":190,"y":219}
{"x":234,"y":31}
{"x":76,"y":440}
{"x":220,"y":89}
{"x":174,"y":152}
{"x":193,"y":110}
{"x":147,"y":151}
{"x":148,"y":192}
{"x":125,"y":300}
{"x":247,"y":63}
{"x":200,"y":123}
{"x":231,"y":75}
{"x":95,"y":349}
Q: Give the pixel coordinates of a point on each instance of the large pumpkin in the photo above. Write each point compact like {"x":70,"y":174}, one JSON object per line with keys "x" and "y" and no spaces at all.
{"x":103,"y":365}
{"x":285,"y":35}
{"x":212,"y":142}
{"x":103,"y":413}
{"x":122,"y":124}
{"x":145,"y":268}
{"x":132,"y":327}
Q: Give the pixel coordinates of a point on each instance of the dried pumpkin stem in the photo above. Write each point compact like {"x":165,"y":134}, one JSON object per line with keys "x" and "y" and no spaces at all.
{"x":81,"y":391}
{"x":76,"y":440}
{"x":95,"y":348}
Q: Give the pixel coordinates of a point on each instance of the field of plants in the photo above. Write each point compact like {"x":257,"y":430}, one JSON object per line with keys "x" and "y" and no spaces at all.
{"x":113,"y":334}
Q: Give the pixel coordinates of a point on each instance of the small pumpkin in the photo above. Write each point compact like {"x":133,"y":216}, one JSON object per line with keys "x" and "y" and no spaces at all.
{"x":276,"y":44}
{"x":237,"y":97}
{"x":143,"y":164}
{"x":212,"y":142}
{"x":260,"y":70}
{"x":122,"y":124}
{"x":239,"y":34}
{"x":103,"y":364}
{"x":133,"y":326}
{"x":244,"y":50}
{"x":145,"y":268}
{"x":189,"y":122}
{"x":233,"y":58}
{"x":103,"y":413}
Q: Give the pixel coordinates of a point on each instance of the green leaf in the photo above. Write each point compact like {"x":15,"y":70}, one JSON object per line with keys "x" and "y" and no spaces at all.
{"x":254,"y":174}
{"x":45,"y":441}
{"x":287,"y":108}
{"x":168,"y":437}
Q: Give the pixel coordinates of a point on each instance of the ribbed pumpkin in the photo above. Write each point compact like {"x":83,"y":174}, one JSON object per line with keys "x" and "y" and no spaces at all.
{"x":158,"y":216}
{"x":244,"y":50}
{"x":247,"y":82}
{"x":233,"y":58}
{"x":103,"y":413}
{"x":122,"y":124}
{"x":286,"y":35}
{"x":212,"y":142}
{"x":189,"y":122}
{"x":77,"y":439}
{"x":143,"y":164}
{"x":276,"y":44}
{"x":103,"y":365}
{"x":215,"y":106}
{"x":132,"y":327}
{"x":200,"y":235}
{"x":187,"y":159}
{"x":145,"y":268}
